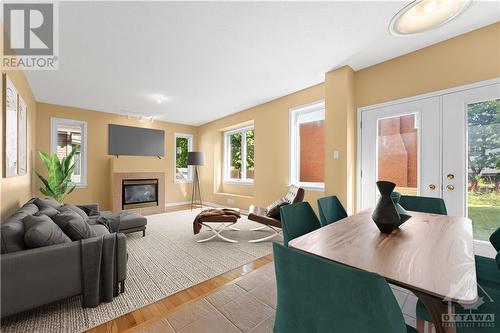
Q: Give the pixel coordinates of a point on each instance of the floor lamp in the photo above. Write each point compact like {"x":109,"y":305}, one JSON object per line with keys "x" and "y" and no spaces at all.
{"x":196,"y":158}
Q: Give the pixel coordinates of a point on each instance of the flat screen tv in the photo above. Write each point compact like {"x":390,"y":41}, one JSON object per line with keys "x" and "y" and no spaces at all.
{"x":135,"y":141}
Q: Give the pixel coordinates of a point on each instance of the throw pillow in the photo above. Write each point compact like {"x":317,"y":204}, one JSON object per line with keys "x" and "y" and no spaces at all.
{"x":73,"y":225}
{"x":42,"y":203}
{"x":75,"y":209}
{"x":273,"y":210}
{"x":28,"y":209}
{"x":42,"y":231}
{"x":49,"y":211}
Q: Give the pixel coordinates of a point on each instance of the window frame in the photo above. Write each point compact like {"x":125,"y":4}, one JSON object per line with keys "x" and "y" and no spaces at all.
{"x":54,"y":123}
{"x":227,"y":153}
{"x":190,"y":148}
{"x":315,"y":111}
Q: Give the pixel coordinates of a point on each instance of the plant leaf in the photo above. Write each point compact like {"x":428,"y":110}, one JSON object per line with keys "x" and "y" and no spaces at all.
{"x":48,"y":190}
{"x":69,"y":159}
{"x":45,"y":158}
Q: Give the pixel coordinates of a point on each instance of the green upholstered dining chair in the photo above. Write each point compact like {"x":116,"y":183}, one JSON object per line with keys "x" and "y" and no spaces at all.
{"x":330,"y":210}
{"x":317,"y":295}
{"x":423,"y":204}
{"x":495,"y":239}
{"x":296,"y":220}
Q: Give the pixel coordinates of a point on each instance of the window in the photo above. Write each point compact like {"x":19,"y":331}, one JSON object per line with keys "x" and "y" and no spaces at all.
{"x":65,"y":134}
{"x":483,"y":197}
{"x":239,"y":155}
{"x":397,"y":152}
{"x":307,"y":146}
{"x":183,"y":145}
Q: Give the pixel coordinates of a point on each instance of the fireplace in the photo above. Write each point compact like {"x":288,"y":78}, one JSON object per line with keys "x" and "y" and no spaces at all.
{"x":139,"y":193}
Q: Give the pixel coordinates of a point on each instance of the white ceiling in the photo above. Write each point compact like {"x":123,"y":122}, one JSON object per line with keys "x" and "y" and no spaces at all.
{"x":211,"y":59}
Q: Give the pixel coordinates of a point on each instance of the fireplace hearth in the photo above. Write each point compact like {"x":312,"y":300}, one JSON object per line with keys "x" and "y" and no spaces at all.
{"x":139,"y":193}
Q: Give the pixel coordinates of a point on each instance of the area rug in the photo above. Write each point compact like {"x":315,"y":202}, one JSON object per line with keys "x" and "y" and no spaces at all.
{"x":164,"y":262}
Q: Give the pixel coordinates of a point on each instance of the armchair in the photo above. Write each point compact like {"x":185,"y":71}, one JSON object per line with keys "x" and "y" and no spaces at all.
{"x":294,"y":195}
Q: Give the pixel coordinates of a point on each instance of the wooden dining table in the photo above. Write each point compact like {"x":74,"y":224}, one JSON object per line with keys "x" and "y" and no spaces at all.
{"x":431,"y":255}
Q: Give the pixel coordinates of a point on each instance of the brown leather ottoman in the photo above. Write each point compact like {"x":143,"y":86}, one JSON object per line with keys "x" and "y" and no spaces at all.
{"x":224,"y":221}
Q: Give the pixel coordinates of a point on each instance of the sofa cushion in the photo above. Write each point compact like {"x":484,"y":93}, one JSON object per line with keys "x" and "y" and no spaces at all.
{"x":12,"y":229}
{"x":99,"y":229}
{"x":12,"y":232}
{"x":273,"y":210}
{"x":131,"y":220}
{"x":75,"y":209}
{"x":49,"y":211}
{"x":42,"y":203}
{"x":73,"y":225}
{"x":28,"y":209}
{"x":42,"y":231}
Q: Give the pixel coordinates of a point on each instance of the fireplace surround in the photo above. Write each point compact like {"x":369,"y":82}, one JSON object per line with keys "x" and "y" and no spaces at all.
{"x":139,"y":193}
{"x":129,"y":182}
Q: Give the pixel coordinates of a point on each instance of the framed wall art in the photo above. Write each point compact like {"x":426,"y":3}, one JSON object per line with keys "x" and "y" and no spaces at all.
{"x":11,"y":128}
{"x":22,"y":136}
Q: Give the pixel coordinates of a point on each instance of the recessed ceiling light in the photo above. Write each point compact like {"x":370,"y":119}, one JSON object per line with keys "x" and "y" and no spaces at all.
{"x":423,"y":15}
{"x":159,"y":98}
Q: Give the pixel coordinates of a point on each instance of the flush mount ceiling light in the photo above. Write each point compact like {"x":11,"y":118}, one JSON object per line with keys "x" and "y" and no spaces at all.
{"x":423,"y":15}
{"x":159,"y":98}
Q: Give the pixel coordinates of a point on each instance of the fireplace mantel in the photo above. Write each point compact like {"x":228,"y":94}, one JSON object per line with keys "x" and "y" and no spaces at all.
{"x":116,"y":190}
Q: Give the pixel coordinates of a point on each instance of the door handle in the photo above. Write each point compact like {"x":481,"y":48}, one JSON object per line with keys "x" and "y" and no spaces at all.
{"x":450,"y":187}
{"x":432,"y":186}
{"x":450,"y":176}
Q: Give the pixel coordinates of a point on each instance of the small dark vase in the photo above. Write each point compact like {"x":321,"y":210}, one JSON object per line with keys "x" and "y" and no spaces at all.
{"x":403,"y":214}
{"x":386,"y":215}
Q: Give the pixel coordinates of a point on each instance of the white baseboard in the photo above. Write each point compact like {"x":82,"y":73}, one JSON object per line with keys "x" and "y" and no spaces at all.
{"x":180,"y":203}
{"x":204,"y":203}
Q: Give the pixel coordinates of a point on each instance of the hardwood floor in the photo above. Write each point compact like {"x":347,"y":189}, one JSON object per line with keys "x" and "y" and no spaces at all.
{"x":155,"y":311}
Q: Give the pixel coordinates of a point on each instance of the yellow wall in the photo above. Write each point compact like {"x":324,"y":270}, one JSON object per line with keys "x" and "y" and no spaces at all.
{"x":468,"y":58}
{"x":15,"y":191}
{"x":99,"y":165}
{"x":472,"y":57}
{"x":271,"y":152}
{"x":340,"y":135}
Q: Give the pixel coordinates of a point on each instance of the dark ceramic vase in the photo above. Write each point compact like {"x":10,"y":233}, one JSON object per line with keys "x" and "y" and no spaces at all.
{"x":403,"y":214}
{"x":386,"y":215}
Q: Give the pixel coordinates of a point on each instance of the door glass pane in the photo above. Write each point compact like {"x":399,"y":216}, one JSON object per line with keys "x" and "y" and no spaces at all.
{"x":484,"y":167}
{"x":67,"y":137}
{"x":235,"y":150}
{"x":250,"y":153}
{"x":397,"y":152}
{"x":312,"y":151}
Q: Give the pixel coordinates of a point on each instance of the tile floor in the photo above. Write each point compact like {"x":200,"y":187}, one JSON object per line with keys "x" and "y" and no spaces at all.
{"x":247,"y":305}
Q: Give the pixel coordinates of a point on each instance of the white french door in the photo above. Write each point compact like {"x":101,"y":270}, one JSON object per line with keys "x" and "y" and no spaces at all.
{"x":445,"y":144}
{"x":471,"y":157}
{"x":400,"y":143}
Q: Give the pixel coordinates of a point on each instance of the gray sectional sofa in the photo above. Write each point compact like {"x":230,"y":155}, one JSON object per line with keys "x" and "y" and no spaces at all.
{"x":31,"y":277}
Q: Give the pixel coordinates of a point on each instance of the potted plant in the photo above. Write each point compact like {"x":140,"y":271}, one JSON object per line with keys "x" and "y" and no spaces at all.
{"x":58,"y":183}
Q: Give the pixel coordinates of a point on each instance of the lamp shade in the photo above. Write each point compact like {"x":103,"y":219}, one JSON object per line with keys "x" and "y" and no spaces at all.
{"x":196,"y":158}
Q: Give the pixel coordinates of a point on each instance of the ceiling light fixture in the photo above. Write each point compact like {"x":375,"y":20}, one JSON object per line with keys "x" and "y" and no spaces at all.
{"x":423,"y":15}
{"x":159,"y":98}
{"x":140,"y":117}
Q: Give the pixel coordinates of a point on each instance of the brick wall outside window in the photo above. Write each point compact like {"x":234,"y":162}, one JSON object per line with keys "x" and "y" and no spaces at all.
{"x":312,"y":151}
{"x":398,"y":151}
